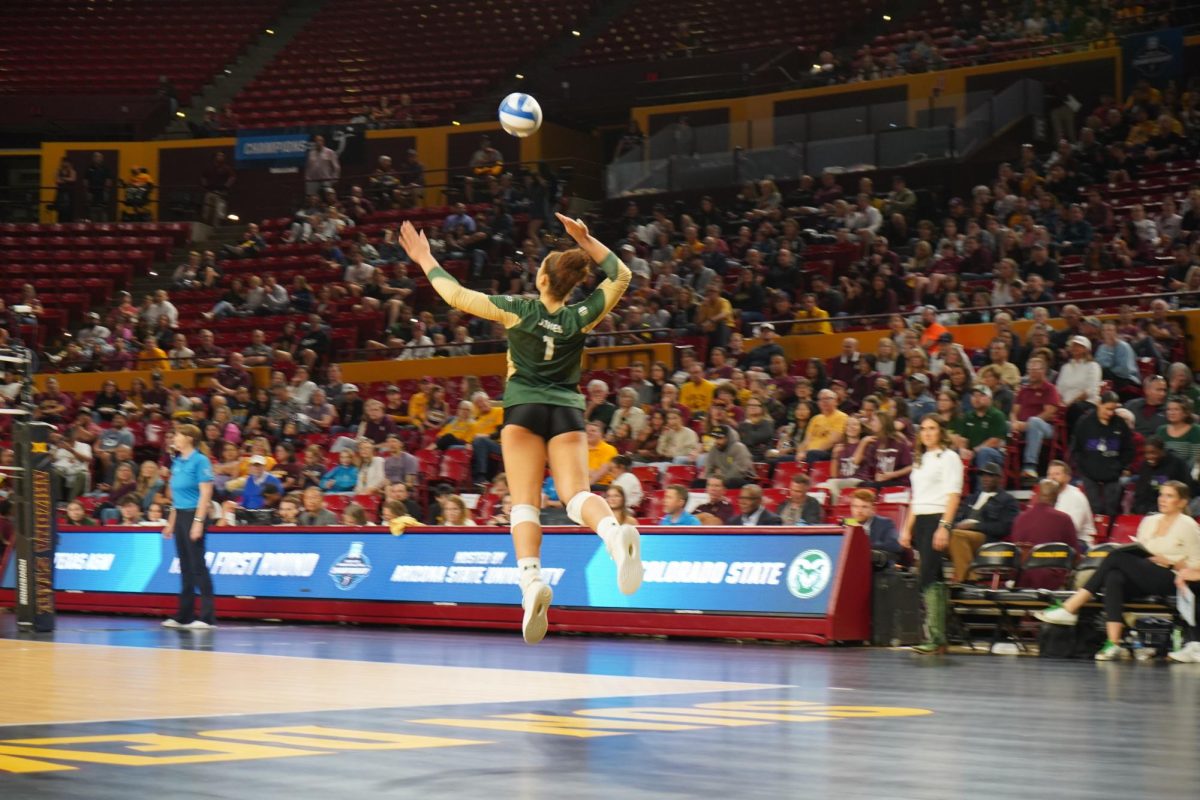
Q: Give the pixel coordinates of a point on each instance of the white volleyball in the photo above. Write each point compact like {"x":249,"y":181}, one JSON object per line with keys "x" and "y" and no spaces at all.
{"x":520,"y":115}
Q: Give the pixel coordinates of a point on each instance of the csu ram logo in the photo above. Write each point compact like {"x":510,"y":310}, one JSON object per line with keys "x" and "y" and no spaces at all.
{"x":809,"y":574}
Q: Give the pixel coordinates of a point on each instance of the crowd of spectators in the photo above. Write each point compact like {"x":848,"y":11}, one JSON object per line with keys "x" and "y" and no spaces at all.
{"x":987,"y":32}
{"x":1071,"y":399}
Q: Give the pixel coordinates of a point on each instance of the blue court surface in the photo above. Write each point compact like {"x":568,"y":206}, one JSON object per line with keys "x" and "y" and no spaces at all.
{"x":116,"y":707}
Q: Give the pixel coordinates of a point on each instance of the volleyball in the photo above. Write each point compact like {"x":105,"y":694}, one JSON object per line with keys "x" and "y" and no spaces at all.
{"x":520,"y":115}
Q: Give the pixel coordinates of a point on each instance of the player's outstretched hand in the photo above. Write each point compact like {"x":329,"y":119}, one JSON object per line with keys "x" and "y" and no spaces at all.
{"x":414,"y":243}
{"x":576,"y":228}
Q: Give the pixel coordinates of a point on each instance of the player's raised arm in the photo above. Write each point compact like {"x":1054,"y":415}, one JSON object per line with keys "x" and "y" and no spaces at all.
{"x":609,"y":292}
{"x":416,"y":245}
{"x":578,"y":230}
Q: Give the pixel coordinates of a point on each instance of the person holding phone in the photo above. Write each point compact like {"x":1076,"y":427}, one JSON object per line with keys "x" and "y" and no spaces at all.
{"x":191,"y":499}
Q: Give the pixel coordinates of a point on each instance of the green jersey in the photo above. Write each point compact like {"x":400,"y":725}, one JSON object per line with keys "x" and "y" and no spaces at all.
{"x":545,"y":348}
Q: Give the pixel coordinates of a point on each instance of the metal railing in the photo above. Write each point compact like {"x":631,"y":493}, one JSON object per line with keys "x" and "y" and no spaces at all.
{"x":873,"y":136}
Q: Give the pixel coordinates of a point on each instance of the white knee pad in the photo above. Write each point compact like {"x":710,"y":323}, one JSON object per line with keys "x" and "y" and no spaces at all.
{"x":575,"y":507}
{"x":525,"y":513}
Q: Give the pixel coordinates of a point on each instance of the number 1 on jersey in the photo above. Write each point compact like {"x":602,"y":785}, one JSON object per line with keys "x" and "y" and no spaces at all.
{"x":549,"y":340}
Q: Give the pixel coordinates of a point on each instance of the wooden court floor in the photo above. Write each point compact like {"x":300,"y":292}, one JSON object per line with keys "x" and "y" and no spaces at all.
{"x":114,"y":707}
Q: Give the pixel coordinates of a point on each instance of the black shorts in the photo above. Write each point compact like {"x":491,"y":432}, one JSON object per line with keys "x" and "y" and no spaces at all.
{"x":545,"y":420}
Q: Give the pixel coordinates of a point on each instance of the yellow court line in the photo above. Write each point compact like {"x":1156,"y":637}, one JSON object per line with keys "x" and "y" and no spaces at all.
{"x":70,"y":683}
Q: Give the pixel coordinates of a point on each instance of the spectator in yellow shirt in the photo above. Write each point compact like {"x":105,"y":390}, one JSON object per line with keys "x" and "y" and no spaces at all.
{"x":460,"y":430}
{"x":809,"y":310}
{"x":488,"y":418}
{"x":418,"y":405}
{"x":696,"y":394}
{"x":825,"y":430}
{"x":151,"y":356}
{"x":600,"y":456}
{"x":691,"y":244}
{"x":715,"y":316}
{"x":486,"y":444}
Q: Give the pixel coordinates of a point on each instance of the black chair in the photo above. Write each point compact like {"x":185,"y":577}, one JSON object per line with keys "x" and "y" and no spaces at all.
{"x":1058,"y":558}
{"x":995,"y":563}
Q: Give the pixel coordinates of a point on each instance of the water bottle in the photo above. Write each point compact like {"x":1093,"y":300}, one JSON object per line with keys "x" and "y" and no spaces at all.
{"x":1176,"y":640}
{"x":1135,"y":645}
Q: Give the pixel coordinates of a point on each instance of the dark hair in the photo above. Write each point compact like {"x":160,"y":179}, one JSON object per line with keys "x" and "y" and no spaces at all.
{"x":680,"y":491}
{"x":565,"y":271}
{"x":1156,"y":442}
{"x":800,"y":477}
{"x":623,"y":461}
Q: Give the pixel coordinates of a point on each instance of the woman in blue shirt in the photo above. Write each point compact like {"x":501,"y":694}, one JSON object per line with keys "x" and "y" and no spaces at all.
{"x":191,"y":499}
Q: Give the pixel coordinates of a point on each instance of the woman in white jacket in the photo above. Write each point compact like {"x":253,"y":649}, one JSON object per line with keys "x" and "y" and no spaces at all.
{"x":1079,"y":380}
{"x":371,"y":477}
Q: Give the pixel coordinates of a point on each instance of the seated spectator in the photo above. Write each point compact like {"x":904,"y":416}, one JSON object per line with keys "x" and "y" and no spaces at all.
{"x":751,"y":509}
{"x":342,"y":478}
{"x":824,"y":430}
{"x":1073,"y":501}
{"x":315,"y":514}
{"x":980,"y":434}
{"x":1149,"y":410}
{"x":598,"y":407}
{"x":1171,"y":540}
{"x":986,"y":515}
{"x":1158,"y":466}
{"x":675,"y":500}
{"x":256,"y":481}
{"x":1180,"y":433}
{"x":678,"y":444}
{"x":371,"y":477}
{"x":628,"y":411}
{"x":729,"y":459}
{"x":621,"y":476}
{"x":617,"y":501}
{"x":1103,"y":449}
{"x":71,"y":463}
{"x":77,"y":516}
{"x":885,"y":539}
{"x":717,"y":510}
{"x":1034,"y":411}
{"x":131,"y":512}
{"x":757,"y":430}
{"x":290,"y":507}
{"x":455,"y":512}
{"x":1042,"y":523}
{"x":397,"y":494}
{"x":503,"y":515}
{"x":399,"y":466}
{"x":800,"y":508}
{"x":354,"y":515}
{"x":250,"y":245}
{"x":1079,"y":380}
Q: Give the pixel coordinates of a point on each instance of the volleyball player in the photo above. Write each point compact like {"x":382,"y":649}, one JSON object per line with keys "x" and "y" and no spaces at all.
{"x":543,"y":409}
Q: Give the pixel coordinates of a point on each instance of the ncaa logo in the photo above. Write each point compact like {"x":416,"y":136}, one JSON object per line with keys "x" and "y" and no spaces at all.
{"x":809,"y":574}
{"x":351,"y":569}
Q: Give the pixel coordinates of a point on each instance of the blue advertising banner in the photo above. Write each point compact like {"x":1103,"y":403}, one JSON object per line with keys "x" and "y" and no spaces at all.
{"x":1156,"y":57}
{"x":277,"y":148}
{"x":713,"y":572}
{"x":288,"y":147}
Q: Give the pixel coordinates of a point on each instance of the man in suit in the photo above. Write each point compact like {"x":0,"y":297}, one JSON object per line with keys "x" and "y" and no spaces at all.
{"x":885,"y":539}
{"x":987,"y":515}
{"x":752,"y":510}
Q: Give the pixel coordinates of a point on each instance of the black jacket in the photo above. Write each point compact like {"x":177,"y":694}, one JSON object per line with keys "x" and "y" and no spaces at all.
{"x":995,"y":518}
{"x":1102,"y":451}
{"x":765,"y":518}
{"x":1145,"y":489}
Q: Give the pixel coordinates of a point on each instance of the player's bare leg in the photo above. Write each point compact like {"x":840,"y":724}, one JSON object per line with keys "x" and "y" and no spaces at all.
{"x":524,"y":464}
{"x":568,"y":465}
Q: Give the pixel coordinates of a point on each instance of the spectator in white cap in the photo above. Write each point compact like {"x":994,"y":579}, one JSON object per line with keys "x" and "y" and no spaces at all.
{"x":1079,"y":380}
{"x":636,"y":264}
{"x":761,"y":355}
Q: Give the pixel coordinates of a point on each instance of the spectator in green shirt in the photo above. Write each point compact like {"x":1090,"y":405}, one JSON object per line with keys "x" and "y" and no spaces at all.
{"x":980,"y":434}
